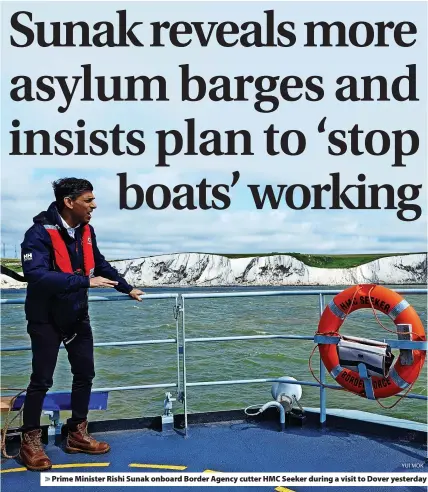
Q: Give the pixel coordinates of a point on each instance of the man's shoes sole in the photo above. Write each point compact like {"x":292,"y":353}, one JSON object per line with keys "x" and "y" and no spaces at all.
{"x":70,"y":450}
{"x":34,"y":468}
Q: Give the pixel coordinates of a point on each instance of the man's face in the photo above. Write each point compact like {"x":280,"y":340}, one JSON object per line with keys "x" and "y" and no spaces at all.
{"x":82,"y":207}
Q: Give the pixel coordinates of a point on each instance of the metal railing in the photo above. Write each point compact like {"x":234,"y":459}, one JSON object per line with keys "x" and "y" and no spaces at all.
{"x":127,"y":343}
{"x":181,"y":342}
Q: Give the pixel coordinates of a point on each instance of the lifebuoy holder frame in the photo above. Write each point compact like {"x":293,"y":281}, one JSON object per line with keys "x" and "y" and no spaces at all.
{"x":389,"y":302}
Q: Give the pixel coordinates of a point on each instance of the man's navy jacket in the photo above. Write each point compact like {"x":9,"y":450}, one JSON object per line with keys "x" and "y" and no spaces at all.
{"x":53,"y":296}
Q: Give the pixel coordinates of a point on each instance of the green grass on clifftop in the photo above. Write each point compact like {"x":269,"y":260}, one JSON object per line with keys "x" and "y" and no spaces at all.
{"x":12,"y":263}
{"x":327,"y":261}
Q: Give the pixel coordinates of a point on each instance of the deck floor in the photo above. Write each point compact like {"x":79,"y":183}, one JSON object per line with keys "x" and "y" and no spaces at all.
{"x":232,"y":447}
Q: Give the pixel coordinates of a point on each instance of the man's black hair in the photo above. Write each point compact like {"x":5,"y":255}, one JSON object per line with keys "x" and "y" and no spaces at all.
{"x":71,"y":187}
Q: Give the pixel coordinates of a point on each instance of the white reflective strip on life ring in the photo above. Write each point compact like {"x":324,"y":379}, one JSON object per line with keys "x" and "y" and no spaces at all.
{"x":397,"y":379}
{"x":336,"y":371}
{"x":398,"y":309}
{"x":336,"y":311}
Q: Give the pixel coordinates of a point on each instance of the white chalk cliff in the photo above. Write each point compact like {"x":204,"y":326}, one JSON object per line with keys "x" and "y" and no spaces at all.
{"x":187,"y":269}
{"x":198,"y":269}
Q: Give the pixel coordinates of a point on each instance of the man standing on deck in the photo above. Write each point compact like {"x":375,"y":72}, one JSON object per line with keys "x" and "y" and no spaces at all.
{"x":61,"y":260}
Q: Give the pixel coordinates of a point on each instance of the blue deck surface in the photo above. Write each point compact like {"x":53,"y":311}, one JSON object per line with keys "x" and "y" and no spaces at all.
{"x":234,"y":446}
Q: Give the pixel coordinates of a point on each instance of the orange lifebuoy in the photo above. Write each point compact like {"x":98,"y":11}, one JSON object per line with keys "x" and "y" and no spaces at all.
{"x":399,"y":310}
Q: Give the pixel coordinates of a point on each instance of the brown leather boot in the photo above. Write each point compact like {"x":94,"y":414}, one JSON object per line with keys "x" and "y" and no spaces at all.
{"x":32,"y":453}
{"x":79,"y":441}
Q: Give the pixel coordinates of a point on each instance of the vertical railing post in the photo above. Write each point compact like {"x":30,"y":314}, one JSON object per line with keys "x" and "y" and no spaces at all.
{"x":177,"y":335}
{"x":183,"y":332}
{"x":322,"y":374}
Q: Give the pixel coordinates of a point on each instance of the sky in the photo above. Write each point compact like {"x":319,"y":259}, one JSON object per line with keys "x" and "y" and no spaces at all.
{"x":241,"y":228}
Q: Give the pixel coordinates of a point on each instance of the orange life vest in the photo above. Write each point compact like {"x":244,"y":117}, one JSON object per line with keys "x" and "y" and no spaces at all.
{"x":62,"y":257}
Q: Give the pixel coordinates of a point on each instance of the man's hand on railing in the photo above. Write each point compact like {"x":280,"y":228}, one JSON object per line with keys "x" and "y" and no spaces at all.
{"x":135,"y":293}
{"x":101,"y":282}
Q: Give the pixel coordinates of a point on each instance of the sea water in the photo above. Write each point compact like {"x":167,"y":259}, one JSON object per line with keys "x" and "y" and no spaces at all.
{"x":207,"y":361}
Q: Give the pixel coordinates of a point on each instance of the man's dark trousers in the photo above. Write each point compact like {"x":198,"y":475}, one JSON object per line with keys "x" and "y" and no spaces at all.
{"x":45,"y":342}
